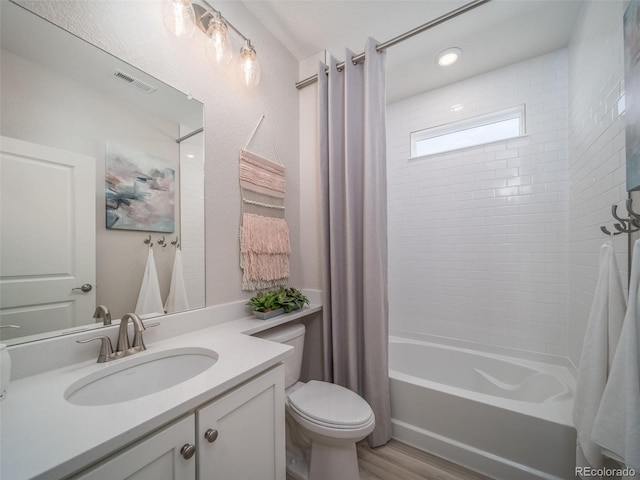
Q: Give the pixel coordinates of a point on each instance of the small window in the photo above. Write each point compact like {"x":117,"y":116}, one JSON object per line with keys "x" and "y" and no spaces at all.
{"x":469,"y":133}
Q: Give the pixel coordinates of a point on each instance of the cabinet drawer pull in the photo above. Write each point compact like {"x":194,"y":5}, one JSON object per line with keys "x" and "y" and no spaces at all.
{"x":211,"y":435}
{"x":187,"y":451}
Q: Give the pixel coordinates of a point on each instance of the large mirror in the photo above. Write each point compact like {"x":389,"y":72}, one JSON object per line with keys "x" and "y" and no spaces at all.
{"x":99,"y":162}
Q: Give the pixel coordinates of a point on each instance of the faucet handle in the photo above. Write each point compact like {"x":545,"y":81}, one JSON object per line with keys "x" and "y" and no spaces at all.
{"x":138,"y":342}
{"x":106,"y":349}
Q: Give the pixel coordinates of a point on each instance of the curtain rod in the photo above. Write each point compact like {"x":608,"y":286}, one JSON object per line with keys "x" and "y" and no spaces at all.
{"x":400,"y":38}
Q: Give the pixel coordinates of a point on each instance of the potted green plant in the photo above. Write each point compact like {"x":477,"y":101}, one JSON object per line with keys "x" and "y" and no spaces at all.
{"x":295,"y":299}
{"x":275,"y":302}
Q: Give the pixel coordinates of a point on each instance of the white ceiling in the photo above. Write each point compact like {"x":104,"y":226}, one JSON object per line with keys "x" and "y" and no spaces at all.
{"x":491,"y":36}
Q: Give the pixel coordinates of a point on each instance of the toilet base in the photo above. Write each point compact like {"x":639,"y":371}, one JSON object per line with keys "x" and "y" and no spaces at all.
{"x":297,"y":468}
{"x":334,"y":461}
{"x":327,"y":462}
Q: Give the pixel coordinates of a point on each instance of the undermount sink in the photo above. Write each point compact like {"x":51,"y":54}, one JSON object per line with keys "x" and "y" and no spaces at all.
{"x":136,"y":377}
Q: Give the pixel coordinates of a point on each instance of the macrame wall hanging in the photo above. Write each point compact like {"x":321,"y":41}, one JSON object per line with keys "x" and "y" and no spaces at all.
{"x":264,"y":233}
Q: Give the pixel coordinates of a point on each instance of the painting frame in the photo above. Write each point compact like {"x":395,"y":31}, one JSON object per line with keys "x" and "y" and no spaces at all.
{"x":139,"y":191}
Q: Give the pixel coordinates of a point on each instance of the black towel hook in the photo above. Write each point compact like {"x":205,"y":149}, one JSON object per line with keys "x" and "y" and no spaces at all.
{"x":625,"y":225}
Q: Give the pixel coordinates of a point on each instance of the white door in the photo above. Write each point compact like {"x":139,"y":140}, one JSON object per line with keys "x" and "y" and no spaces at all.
{"x":166,"y":455}
{"x":47,"y":238}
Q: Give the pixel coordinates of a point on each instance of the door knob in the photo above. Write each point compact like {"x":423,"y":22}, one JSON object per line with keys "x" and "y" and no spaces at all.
{"x":211,"y":435}
{"x":187,"y":451}
{"x":85,"y":288}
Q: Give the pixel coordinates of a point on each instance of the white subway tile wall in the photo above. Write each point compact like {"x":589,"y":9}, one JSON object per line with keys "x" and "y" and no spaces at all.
{"x":478,"y":238}
{"x":192,"y":227}
{"x":597,"y":153}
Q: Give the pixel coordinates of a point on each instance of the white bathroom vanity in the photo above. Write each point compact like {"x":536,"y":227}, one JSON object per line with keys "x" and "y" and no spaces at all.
{"x":225,"y":422}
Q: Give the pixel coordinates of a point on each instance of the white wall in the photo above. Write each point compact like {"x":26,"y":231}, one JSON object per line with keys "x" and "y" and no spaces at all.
{"x":597,"y":153}
{"x":478,"y":237}
{"x":133,"y":31}
{"x":310,"y":212}
{"x":310,"y":200}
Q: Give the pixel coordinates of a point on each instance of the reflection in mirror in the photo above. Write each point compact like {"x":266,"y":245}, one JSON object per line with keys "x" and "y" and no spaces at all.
{"x":67,"y":108}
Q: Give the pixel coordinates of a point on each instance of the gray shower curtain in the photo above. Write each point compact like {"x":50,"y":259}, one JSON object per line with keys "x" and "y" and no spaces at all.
{"x":352,"y":148}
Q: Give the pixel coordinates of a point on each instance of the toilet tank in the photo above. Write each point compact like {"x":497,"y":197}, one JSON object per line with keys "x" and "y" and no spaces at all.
{"x":290,"y":334}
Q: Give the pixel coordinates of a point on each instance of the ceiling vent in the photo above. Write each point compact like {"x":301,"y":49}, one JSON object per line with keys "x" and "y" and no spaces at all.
{"x":134,"y":82}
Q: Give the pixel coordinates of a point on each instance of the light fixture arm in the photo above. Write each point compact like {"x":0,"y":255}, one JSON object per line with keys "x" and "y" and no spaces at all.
{"x":204,"y":16}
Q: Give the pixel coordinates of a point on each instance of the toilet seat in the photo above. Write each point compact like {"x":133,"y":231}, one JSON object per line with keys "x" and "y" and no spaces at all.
{"x":330,"y":405}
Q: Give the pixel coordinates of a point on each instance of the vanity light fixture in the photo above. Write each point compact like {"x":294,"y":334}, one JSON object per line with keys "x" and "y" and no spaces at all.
{"x":449,"y":56}
{"x":216,"y":28}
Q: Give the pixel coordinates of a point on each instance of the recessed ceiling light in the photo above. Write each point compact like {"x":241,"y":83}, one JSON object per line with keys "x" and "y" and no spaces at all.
{"x":449,"y":56}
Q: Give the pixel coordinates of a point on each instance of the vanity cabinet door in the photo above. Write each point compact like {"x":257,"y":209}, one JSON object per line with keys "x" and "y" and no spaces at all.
{"x":156,"y":457}
{"x":241,"y":434}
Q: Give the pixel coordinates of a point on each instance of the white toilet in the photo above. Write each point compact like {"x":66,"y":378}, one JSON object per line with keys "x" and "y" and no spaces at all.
{"x":324,"y":421}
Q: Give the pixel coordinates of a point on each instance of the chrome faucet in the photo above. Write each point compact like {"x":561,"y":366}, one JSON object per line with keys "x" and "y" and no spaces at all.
{"x":103,"y":313}
{"x":124,"y":348}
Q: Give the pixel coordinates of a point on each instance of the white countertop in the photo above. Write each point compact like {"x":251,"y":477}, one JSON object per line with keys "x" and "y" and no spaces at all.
{"x":45,"y":437}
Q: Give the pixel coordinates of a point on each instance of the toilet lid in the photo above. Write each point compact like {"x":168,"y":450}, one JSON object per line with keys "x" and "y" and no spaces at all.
{"x":330,"y":404}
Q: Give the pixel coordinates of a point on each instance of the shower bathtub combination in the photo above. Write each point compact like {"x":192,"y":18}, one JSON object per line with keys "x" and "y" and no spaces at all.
{"x":500,"y":415}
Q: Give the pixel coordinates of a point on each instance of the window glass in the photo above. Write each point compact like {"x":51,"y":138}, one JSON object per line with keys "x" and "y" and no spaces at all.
{"x":468,"y":133}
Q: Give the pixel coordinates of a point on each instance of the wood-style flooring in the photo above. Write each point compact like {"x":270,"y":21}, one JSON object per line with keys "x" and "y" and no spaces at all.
{"x":398,"y":461}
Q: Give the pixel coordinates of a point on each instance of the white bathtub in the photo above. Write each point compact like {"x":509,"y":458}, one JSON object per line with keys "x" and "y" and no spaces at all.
{"x":506,"y":417}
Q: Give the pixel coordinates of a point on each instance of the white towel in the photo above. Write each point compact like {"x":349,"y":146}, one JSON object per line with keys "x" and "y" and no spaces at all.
{"x":177,"y":300}
{"x":149,"y":299}
{"x":617,"y":424}
{"x":600,"y":342}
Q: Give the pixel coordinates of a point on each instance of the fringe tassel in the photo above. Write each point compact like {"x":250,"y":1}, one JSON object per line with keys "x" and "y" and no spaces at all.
{"x":265,"y":248}
{"x":264,"y":235}
{"x":267,"y":267}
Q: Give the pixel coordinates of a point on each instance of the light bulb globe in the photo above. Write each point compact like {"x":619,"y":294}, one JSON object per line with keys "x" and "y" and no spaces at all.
{"x":219,"y":48}
{"x":248,"y":71}
{"x":179,"y":17}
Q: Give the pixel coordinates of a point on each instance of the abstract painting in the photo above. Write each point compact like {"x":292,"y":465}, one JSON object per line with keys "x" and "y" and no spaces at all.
{"x":632,"y":93}
{"x":140,"y":191}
